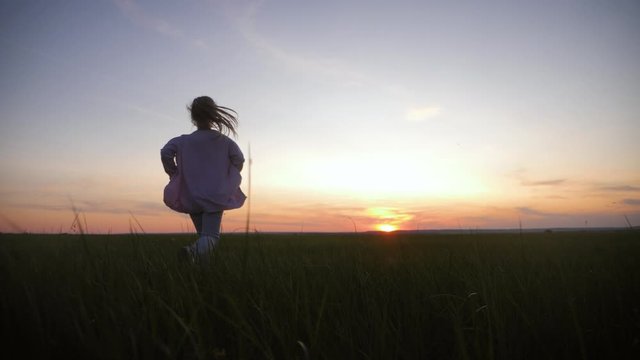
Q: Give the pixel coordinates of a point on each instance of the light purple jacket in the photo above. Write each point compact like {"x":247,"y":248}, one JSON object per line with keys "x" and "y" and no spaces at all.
{"x":204,"y":169}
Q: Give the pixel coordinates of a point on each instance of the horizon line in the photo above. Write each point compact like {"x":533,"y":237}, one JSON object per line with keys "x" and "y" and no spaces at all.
{"x":424,"y":231}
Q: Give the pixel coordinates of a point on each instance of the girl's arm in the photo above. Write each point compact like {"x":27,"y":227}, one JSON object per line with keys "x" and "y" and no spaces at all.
{"x":167,"y":155}
{"x":235,"y":155}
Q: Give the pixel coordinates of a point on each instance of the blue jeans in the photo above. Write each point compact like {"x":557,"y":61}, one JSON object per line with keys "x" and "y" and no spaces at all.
{"x":207,"y":223}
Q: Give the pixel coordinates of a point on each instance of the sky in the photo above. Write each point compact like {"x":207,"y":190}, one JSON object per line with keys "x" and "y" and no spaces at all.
{"x":360,"y":115}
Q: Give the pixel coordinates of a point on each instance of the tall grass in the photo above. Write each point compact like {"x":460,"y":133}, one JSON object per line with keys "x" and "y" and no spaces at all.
{"x":352,"y":296}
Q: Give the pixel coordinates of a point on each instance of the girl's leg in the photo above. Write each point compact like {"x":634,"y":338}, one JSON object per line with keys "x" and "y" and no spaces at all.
{"x":211,"y":224}
{"x":210,"y":232}
{"x":188,"y":252}
{"x":197,"y":222}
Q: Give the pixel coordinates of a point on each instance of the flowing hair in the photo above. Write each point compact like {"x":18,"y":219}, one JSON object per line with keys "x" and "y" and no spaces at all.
{"x":205,"y":113}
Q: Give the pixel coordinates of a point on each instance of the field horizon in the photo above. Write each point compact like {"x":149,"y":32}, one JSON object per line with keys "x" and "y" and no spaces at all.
{"x":505,"y":230}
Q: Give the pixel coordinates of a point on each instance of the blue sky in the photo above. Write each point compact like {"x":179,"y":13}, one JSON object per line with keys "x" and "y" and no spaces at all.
{"x":470,"y":113}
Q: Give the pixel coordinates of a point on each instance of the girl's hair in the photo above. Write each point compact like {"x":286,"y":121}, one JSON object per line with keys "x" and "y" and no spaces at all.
{"x":205,"y":113}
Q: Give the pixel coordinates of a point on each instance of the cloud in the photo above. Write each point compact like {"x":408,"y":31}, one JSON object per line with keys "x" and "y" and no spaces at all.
{"x":619,"y":188}
{"x":147,"y":208}
{"x":525,"y":210}
{"x":556,"y":197}
{"x":544,"y":182}
{"x":139,"y":17}
{"x":322,"y":67}
{"x":520,"y":175}
{"x":423,"y":113}
{"x":632,"y":202}
{"x":246,"y":24}
{"x":142,"y":18}
{"x":388,"y":215}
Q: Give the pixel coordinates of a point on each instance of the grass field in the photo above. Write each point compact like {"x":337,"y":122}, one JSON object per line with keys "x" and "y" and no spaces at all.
{"x":353,"y":296}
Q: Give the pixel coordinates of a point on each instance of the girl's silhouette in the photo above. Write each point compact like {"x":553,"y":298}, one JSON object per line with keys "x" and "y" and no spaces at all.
{"x":204,"y":169}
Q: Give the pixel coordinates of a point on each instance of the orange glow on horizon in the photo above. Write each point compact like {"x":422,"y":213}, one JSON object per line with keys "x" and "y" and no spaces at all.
{"x":388,"y":219}
{"x":277,"y":212}
{"x":386,"y":227}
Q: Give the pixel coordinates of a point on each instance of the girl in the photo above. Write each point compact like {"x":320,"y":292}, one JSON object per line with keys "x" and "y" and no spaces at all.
{"x":204,"y":169}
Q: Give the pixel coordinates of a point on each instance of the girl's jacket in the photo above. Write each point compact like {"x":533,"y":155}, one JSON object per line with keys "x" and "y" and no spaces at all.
{"x":204,"y":169}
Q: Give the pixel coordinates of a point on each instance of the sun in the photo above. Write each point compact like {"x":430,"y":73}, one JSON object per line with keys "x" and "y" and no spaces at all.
{"x":386,"y":227}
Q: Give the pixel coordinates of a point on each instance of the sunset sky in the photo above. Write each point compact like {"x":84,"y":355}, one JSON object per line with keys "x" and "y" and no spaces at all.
{"x":366,"y":114}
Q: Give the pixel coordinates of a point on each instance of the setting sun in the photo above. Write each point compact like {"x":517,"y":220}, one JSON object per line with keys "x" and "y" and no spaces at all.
{"x":386,"y":227}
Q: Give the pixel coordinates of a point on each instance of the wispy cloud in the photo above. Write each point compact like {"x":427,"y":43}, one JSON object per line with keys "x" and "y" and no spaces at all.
{"x":144,"y":19}
{"x":618,"y":188}
{"x":632,"y":202}
{"x":138,"y":16}
{"x":423,"y":113}
{"x":551,"y":182}
{"x":137,"y":208}
{"x":525,"y":210}
{"x":521,"y":175}
{"x":323,"y":66}
{"x":389,"y":215}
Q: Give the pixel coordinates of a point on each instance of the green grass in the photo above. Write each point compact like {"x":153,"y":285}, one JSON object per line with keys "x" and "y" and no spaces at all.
{"x":473,"y":296}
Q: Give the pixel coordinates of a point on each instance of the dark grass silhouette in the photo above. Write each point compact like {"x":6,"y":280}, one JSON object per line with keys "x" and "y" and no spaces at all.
{"x":348,"y":296}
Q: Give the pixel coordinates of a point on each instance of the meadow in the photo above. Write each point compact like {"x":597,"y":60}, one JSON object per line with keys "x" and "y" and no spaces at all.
{"x":560,"y":295}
